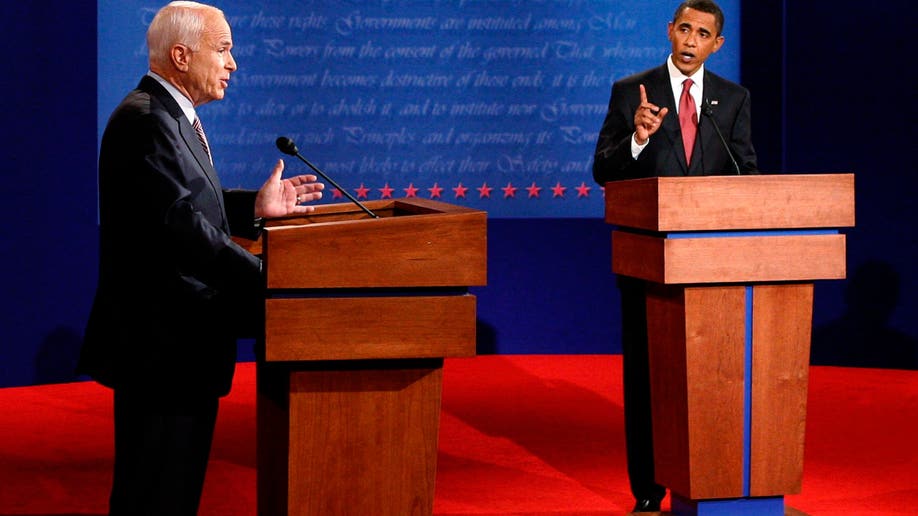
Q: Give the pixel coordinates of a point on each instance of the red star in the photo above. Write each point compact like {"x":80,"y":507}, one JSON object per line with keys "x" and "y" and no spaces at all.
{"x":460,"y":191}
{"x":583,"y":190}
{"x":386,"y":192}
{"x":411,"y":191}
{"x":336,"y":194}
{"x":362,"y":191}
{"x":509,"y":190}
{"x":435,"y":191}
{"x":533,"y":190}
{"x":558,"y":190}
{"x":484,"y":191}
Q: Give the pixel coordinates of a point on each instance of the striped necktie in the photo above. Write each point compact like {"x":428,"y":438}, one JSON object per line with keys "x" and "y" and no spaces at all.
{"x":199,"y":129}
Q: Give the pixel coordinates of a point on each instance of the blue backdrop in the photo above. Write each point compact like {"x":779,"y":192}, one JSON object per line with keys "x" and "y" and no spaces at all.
{"x":493,"y":105}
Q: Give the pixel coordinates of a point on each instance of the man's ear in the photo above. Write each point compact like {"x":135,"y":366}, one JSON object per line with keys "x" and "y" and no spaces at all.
{"x":180,"y":56}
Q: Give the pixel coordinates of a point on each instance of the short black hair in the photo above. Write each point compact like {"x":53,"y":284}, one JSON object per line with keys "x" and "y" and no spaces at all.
{"x":705,"y":6}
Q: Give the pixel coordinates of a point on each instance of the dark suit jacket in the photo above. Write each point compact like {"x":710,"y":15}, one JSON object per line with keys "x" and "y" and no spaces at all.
{"x":664,"y":154}
{"x":172,"y":283}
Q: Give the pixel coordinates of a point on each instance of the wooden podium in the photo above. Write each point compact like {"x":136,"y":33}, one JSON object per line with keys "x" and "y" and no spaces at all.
{"x":730,"y":263}
{"x":359,"y":315}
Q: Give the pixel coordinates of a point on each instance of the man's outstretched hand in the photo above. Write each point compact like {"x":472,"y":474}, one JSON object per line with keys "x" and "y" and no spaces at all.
{"x":281,"y":197}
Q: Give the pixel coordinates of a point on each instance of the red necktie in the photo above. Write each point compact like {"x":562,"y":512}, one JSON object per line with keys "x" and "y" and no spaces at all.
{"x":198,"y":128}
{"x":688,"y":119}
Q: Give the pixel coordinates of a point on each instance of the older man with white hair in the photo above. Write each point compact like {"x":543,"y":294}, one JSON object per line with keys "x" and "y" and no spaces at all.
{"x":174,"y":290}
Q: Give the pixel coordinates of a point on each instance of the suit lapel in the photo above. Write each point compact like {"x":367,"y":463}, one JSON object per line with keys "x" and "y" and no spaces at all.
{"x":706,"y":133}
{"x":189,"y":137}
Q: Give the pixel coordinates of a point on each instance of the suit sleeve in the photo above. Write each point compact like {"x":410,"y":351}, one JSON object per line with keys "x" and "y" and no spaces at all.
{"x":189,"y":219}
{"x":240,"y":213}
{"x":612,"y":159}
{"x":741,"y":138}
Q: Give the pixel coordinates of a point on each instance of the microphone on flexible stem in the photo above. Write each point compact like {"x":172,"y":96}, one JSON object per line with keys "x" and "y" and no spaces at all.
{"x":707,"y":111}
{"x":287,"y":146}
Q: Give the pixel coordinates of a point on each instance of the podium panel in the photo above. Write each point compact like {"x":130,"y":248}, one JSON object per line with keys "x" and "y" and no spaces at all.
{"x":414,"y":243}
{"x":387,"y":327}
{"x":697,"y":362}
{"x":782,"y":316}
{"x":720,"y":203}
{"x":737,"y":257}
{"x":373,"y":419}
{"x":349,"y":437}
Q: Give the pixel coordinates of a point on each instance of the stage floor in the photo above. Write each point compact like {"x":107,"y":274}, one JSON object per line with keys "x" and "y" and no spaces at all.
{"x":519,"y":435}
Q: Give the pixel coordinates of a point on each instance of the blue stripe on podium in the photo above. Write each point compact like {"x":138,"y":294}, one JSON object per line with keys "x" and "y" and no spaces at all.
{"x":730,"y":234}
{"x":747,"y":398}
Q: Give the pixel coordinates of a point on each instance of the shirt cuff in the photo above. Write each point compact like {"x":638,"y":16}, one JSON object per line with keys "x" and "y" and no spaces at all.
{"x":635,"y":148}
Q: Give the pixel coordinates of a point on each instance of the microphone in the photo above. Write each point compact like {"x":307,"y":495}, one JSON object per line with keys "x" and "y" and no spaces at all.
{"x":287,"y":146}
{"x":708,"y":111}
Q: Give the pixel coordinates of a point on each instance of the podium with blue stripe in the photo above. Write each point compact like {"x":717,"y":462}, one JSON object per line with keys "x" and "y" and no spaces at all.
{"x":730,"y":263}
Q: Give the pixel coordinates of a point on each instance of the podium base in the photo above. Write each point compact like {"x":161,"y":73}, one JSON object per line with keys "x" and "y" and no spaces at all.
{"x":788,"y":511}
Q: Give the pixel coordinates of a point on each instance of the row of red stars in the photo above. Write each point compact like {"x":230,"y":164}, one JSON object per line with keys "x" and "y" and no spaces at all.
{"x":460,"y":191}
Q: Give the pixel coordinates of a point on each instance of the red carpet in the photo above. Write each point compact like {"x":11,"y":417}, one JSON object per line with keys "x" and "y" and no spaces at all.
{"x":520,"y":435}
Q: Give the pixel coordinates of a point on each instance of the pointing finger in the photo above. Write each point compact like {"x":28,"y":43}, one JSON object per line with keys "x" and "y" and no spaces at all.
{"x":645,"y":104}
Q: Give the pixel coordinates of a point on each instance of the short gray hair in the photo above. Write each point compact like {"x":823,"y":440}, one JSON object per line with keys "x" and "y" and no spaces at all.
{"x":177,"y":23}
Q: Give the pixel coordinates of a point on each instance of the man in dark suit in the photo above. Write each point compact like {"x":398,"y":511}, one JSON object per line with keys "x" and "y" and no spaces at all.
{"x":174,"y":290}
{"x":661,"y":123}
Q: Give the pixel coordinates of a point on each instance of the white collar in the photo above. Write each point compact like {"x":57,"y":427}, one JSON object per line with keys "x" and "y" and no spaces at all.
{"x":677,"y":77}
{"x":183,"y":101}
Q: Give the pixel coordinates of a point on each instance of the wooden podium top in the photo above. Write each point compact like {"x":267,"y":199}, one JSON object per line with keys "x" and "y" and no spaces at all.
{"x":730,"y":229}
{"x":414,"y":243}
{"x":703,"y":203}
